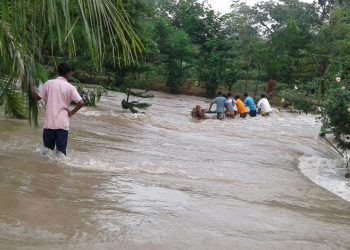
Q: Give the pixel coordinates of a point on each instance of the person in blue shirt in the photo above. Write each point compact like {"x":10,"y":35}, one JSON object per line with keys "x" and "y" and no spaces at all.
{"x":249,"y":102}
{"x":220,"y":106}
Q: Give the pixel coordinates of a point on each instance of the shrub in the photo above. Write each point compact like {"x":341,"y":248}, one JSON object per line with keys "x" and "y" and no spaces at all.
{"x":299,"y":99}
{"x":335,"y":115}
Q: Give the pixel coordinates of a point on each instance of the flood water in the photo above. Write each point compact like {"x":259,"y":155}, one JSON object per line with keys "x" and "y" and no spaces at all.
{"x":161,"y":180}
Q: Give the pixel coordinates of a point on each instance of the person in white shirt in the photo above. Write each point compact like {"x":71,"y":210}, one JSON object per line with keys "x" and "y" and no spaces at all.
{"x":264,"y":106}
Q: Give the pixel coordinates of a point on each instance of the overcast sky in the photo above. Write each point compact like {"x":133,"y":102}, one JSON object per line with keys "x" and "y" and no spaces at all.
{"x":224,"y":5}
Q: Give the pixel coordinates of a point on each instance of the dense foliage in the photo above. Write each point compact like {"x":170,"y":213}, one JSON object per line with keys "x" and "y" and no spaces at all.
{"x":39,"y":33}
{"x":336,"y":114}
{"x":186,"y":43}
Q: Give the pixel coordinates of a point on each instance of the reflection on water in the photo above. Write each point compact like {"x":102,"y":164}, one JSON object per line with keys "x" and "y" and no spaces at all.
{"x":160,"y":180}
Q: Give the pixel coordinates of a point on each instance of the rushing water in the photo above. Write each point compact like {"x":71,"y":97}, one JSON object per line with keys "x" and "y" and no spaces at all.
{"x":161,"y":180}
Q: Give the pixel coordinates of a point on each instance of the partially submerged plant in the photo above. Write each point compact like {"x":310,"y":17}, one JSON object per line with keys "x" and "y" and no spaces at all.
{"x":91,"y":95}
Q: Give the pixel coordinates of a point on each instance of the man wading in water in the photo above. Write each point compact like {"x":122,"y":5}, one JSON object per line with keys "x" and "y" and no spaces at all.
{"x":58,"y":94}
{"x":220,"y":106}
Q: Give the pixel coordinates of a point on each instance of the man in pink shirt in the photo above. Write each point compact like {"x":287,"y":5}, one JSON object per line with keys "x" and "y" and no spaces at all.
{"x":58,"y":94}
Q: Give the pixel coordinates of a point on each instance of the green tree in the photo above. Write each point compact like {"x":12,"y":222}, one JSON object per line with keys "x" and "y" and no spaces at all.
{"x":289,"y":26}
{"x":336,"y":104}
{"x":175,"y":53}
{"x":31,"y":30}
{"x":203,"y":27}
{"x":336,"y":113}
{"x":141,"y":14}
{"x":244,"y":36}
{"x":331,"y":48}
{"x":211,"y":65}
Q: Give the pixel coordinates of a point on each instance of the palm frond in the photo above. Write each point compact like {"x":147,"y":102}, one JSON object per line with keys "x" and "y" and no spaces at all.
{"x":13,"y":105}
{"x":29,"y":28}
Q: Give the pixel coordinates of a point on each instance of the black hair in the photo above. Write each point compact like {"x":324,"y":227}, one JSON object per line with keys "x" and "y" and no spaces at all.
{"x":263,"y":96}
{"x":219,"y":93}
{"x":237,"y":97}
{"x":245,"y":94}
{"x":229,"y":94}
{"x":63,"y":69}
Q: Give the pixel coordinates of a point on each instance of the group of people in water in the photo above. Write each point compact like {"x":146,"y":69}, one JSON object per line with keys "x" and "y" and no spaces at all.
{"x":227,"y":106}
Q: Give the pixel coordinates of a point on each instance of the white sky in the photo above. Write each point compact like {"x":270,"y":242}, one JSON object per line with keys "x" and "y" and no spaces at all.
{"x":224,"y":5}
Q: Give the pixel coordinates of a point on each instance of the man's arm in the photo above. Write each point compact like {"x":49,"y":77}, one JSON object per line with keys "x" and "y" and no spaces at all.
{"x":246,"y":102}
{"x":258,"y":104}
{"x":35,"y":93}
{"x":36,"y":96}
{"x":211,"y":104}
{"x":78,"y":106}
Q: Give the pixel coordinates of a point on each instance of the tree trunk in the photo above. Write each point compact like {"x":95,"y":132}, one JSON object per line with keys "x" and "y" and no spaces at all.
{"x":247,"y":74}
{"x":322,"y":88}
{"x":321,"y":71}
{"x":127,"y":97}
{"x":257,"y":82}
{"x":246,"y":80}
{"x":230,"y":87}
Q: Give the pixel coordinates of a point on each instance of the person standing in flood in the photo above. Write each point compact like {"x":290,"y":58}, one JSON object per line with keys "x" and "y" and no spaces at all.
{"x":230,"y":105}
{"x":220,"y":106}
{"x":264,"y":106}
{"x":58,"y":94}
{"x":249,"y":102}
{"x":242,"y":110}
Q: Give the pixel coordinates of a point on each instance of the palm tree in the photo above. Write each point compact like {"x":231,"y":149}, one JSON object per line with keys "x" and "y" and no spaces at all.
{"x":31,"y":31}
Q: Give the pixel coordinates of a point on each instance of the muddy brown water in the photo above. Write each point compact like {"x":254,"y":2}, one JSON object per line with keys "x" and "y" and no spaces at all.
{"x":160,"y":180}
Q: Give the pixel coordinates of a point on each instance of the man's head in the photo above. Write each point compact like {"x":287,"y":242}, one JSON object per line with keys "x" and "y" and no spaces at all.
{"x":219,"y":93}
{"x":263,"y":96}
{"x":229,"y":95}
{"x":245,"y":94}
{"x":64,"y":70}
{"x":236,"y":97}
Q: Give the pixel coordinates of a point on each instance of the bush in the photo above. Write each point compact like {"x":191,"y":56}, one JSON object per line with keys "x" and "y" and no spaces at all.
{"x":299,"y":99}
{"x":336,"y":115}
